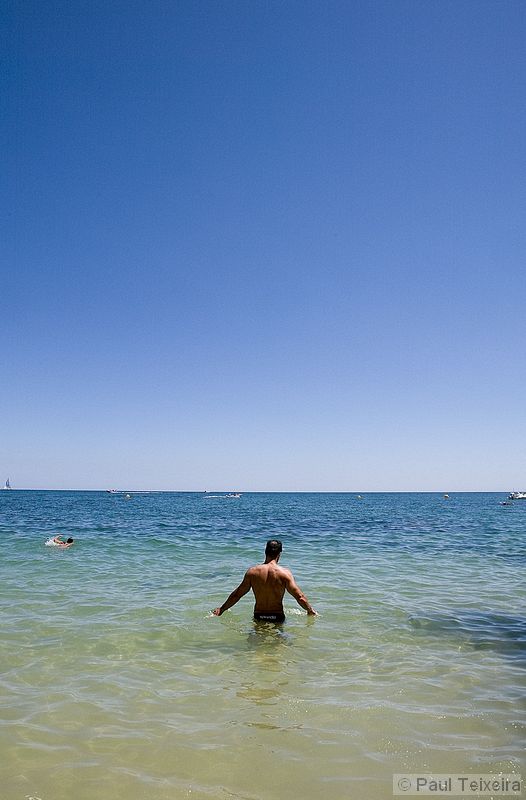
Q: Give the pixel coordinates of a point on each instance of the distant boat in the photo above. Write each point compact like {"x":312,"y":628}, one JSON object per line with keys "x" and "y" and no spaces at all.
{"x":229,"y":496}
{"x":513,"y":496}
{"x":112,"y":491}
{"x":7,"y":484}
{"x":446,"y":497}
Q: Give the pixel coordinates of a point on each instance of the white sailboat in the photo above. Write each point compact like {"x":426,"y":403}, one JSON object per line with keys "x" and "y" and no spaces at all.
{"x":7,"y":484}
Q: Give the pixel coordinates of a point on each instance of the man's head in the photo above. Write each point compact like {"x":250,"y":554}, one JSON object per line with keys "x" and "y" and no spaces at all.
{"x":273,"y":549}
{"x":69,"y":541}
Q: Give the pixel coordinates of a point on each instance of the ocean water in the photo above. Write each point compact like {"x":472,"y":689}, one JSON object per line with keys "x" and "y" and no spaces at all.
{"x":117,"y":682}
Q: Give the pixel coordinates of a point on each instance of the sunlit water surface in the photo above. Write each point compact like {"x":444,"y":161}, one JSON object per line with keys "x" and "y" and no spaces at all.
{"x":117,"y":682}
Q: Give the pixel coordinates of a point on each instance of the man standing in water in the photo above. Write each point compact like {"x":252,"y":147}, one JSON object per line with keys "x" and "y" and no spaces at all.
{"x":268,"y":581}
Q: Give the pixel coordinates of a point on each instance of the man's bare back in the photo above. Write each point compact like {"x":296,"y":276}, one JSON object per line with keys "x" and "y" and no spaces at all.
{"x":269,"y":582}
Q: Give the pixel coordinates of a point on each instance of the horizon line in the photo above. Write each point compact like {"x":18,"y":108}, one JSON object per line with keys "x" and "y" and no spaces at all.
{"x":257,"y":491}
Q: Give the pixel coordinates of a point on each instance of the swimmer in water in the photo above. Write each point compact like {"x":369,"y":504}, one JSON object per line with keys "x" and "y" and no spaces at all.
{"x":268,"y":581}
{"x":57,"y":541}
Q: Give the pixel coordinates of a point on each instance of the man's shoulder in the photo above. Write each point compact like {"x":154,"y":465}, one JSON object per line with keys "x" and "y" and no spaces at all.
{"x":256,"y":569}
{"x":285,"y":571}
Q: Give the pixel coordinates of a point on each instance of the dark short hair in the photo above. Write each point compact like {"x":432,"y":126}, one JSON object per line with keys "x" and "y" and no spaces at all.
{"x":273,"y":547}
{"x":69,"y":541}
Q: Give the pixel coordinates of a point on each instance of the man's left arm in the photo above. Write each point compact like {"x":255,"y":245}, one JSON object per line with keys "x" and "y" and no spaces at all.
{"x":236,"y":595}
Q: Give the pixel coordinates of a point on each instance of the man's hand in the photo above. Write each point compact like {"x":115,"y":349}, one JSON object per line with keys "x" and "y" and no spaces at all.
{"x":217,"y":612}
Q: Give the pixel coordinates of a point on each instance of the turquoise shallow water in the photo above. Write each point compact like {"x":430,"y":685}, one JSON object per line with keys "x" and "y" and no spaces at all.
{"x":116,"y":682}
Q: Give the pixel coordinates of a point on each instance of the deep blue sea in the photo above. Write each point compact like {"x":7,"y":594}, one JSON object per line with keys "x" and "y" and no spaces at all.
{"x":117,"y":682}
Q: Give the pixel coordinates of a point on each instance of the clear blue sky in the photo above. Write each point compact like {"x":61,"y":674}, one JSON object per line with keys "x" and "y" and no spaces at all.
{"x":264,"y":245}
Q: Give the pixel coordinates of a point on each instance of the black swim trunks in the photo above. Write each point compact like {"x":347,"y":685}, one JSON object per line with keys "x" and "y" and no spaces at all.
{"x":261,"y":616}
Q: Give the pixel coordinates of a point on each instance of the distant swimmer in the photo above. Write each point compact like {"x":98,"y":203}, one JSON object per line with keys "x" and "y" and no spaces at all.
{"x":268,"y":581}
{"x":57,"y":541}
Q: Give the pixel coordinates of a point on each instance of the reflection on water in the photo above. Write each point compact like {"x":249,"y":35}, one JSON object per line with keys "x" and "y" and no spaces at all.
{"x":268,"y":635}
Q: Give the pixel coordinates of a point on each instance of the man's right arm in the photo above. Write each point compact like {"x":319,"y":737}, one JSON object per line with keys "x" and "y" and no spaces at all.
{"x":293,"y":589}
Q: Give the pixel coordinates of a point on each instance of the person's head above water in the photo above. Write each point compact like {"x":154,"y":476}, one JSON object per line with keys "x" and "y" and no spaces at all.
{"x":69,"y":541}
{"x":273,"y":549}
